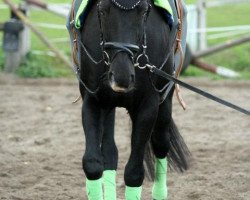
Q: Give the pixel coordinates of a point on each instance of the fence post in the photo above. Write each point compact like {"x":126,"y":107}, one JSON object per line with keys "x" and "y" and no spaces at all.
{"x":192,"y":36}
{"x":201,"y":7}
{"x":14,"y":57}
{"x":25,"y":45}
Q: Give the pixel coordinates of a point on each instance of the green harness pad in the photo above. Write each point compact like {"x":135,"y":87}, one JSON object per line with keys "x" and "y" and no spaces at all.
{"x":82,"y":8}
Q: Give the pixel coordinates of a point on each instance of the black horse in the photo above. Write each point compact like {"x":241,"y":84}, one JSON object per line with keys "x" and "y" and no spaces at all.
{"x":125,"y":35}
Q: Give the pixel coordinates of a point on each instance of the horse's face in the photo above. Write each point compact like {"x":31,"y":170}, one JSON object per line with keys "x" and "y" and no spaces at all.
{"x":120,"y":27}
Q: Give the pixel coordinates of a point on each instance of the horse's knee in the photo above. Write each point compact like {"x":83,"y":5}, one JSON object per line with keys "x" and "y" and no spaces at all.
{"x":110,"y":156}
{"x":160,"y":140}
{"x":160,"y":145}
{"x":92,"y":167}
{"x":134,"y":176}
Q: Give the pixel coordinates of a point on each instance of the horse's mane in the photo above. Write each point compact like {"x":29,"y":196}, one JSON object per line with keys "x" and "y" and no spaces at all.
{"x":126,"y":4}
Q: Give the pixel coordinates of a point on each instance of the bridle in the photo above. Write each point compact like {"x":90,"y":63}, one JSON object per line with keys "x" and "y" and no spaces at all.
{"x":132,"y":50}
{"x":137,"y":53}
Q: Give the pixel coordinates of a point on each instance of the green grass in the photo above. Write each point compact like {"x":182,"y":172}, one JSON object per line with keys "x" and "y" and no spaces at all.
{"x":236,"y":58}
{"x":36,"y":66}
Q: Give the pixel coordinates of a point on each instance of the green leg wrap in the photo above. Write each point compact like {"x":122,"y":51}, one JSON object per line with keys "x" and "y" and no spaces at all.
{"x":160,"y":191}
{"x":133,"y":193}
{"x":109,"y":184}
{"x":94,"y":189}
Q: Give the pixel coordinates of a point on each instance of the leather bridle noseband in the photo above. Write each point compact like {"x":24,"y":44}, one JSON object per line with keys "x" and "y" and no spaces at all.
{"x":118,"y":47}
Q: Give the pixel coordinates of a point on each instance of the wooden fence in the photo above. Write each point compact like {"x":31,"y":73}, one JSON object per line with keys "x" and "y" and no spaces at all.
{"x":197,"y":29}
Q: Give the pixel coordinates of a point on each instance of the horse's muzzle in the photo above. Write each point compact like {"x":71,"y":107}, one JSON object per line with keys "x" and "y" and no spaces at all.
{"x":121,"y":84}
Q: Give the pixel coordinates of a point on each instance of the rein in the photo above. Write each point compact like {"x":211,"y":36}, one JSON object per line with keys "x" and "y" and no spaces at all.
{"x":153,"y":69}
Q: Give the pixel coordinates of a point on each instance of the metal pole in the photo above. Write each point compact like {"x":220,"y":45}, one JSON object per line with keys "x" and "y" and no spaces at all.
{"x":220,"y":47}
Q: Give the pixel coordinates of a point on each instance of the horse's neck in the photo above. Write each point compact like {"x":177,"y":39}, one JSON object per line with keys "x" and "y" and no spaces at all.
{"x":90,"y":36}
{"x":158,"y":32}
{"x":91,"y":32}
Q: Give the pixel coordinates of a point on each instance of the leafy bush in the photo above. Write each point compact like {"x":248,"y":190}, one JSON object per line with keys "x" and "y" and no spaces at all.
{"x":40,"y":67}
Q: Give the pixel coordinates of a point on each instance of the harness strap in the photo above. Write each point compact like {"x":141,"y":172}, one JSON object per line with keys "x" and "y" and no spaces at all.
{"x":178,"y":48}
{"x":76,"y":45}
{"x":163,"y":74}
{"x":128,"y":48}
{"x":74,"y":35}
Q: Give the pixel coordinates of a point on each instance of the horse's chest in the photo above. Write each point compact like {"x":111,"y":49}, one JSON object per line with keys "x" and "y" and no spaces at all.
{"x":109,"y":98}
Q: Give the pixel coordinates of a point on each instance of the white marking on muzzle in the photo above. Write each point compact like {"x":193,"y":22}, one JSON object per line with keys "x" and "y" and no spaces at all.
{"x":117,"y":88}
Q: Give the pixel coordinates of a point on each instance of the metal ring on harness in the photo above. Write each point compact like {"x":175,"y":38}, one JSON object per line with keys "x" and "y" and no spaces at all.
{"x":141,"y":56}
{"x":106,"y":58}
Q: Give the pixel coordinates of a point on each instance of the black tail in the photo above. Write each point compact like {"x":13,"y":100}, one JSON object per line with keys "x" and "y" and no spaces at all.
{"x":178,"y":155}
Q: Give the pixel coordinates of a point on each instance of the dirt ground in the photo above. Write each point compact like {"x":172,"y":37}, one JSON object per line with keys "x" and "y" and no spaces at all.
{"x":42,"y":142}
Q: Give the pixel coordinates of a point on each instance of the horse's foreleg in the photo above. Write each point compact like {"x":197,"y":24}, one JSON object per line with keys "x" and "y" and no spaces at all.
{"x":143,"y":121}
{"x":92,"y":160}
{"x":161,"y":145}
{"x":110,"y":155}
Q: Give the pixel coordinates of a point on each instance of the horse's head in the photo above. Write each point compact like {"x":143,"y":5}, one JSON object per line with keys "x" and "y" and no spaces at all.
{"x":122,"y":31}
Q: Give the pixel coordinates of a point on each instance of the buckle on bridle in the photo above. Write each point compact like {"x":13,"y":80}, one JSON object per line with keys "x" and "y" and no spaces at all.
{"x":140,"y":57}
{"x":151,"y":67}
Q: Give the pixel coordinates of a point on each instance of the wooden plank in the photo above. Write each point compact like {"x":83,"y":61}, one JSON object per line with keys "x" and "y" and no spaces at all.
{"x":220,"y":47}
{"x":222,"y":71}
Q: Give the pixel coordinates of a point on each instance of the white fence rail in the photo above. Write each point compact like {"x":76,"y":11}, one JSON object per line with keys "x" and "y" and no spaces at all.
{"x":217,"y":3}
{"x":197,"y":29}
